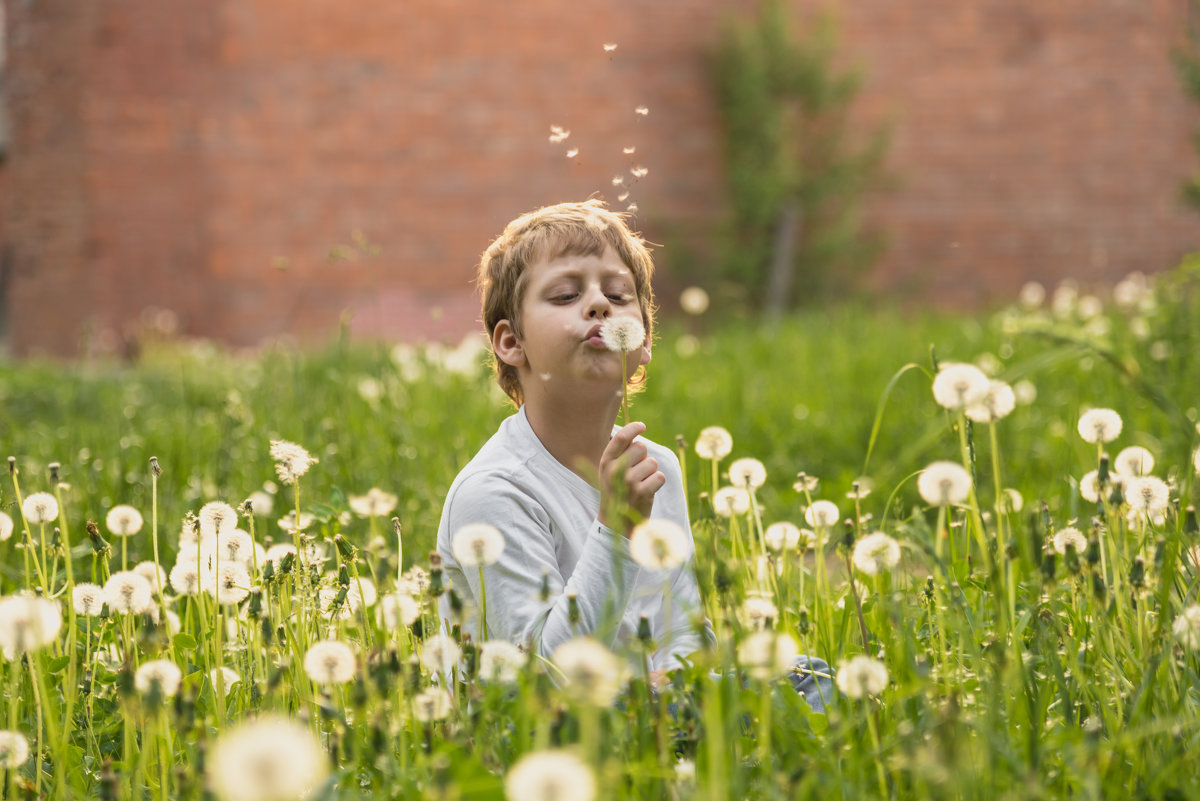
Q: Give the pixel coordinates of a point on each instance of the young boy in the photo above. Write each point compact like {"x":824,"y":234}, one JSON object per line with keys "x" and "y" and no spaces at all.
{"x":556,"y":476}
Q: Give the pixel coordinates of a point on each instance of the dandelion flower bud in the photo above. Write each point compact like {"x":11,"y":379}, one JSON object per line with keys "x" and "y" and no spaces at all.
{"x":959,"y":385}
{"x":153,"y":573}
{"x":623,"y":333}
{"x":14,"y":750}
{"x":944,"y":484}
{"x":758,"y":613}
{"x":216,"y":517}
{"x":128,"y":593}
{"x":1147,"y":495}
{"x":995,"y":404}
{"x":267,"y":759}
{"x":782,"y":536}
{"x":1069,"y":537}
{"x":1186,"y":628}
{"x":550,"y":776}
{"x":714,"y":442}
{"x":876,"y":553}
{"x":1134,"y":461}
{"x":40,"y":507}
{"x":6,"y":526}
{"x":123,"y":521}
{"x":330,"y":662}
{"x":440,"y":654}
{"x":87,"y":599}
{"x":1099,"y":425}
{"x":501,"y":661}
{"x":185,"y":577}
{"x":291,"y":460}
{"x":591,"y":672}
{"x":397,"y":610}
{"x":27,"y":623}
{"x":862,"y":676}
{"x":658,"y":544}
{"x":822,"y":514}
{"x":477,"y":545}
{"x":767,"y":654}
{"x":432,"y":704}
{"x":376,"y":503}
{"x":162,"y":673}
{"x":747,"y":473}
{"x":731,"y":501}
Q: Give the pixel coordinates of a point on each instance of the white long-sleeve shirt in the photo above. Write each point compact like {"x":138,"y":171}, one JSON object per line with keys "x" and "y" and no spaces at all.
{"x":548,"y":516}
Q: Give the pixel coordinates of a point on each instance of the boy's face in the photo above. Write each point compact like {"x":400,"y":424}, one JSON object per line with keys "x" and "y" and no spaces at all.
{"x":565,"y":301}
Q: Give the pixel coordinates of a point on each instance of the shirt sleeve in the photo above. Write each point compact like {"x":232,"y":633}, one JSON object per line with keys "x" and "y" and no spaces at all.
{"x":602,"y":581}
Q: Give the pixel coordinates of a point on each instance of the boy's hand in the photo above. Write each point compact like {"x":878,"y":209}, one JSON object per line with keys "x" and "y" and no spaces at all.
{"x":628,"y":480}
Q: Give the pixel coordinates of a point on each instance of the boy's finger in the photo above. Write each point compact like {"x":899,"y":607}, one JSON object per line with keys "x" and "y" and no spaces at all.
{"x":621,"y":440}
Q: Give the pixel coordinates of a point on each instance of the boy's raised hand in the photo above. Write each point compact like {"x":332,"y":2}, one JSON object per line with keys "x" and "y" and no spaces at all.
{"x":629,"y":477}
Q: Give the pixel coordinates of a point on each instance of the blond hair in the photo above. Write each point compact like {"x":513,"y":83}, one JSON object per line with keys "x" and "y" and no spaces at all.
{"x":564,"y":229}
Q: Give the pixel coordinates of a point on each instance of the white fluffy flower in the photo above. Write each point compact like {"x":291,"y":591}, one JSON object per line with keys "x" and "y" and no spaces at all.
{"x":1089,"y":485}
{"x":550,"y":776}
{"x":128,"y":593}
{"x":822,"y":514}
{"x":217,"y":517}
{"x":6,"y":526}
{"x":1134,"y":461}
{"x":14,"y":750}
{"x":591,"y":671}
{"x":944,"y":484}
{"x":276,"y":553}
{"x":40,"y":507}
{"x":876,"y":553}
{"x":87,"y":599}
{"x":185,"y":576}
{"x":1147,"y":495}
{"x":231,"y":584}
{"x":714,"y":442}
{"x":623,"y":333}
{"x":227,"y":675}
{"x":782,"y":536}
{"x":862,"y":676}
{"x":153,"y":573}
{"x":440,"y":653}
{"x":1186,"y":628}
{"x":477,"y":544}
{"x":261,"y":503}
{"x":161,"y":672}
{"x":327,"y":602}
{"x":235,"y":545}
{"x":731,"y":501}
{"x":398,"y":609}
{"x":330,"y":662}
{"x":27,"y":623}
{"x":288,"y":521}
{"x":959,"y":385}
{"x":658,"y":544}
{"x":995,"y":404}
{"x":1069,"y":537}
{"x":432,"y":704}
{"x":376,"y":503}
{"x":1196,"y":461}
{"x":291,"y":460}
{"x":1099,"y":425}
{"x":747,"y":473}
{"x":267,"y":759}
{"x":767,"y":654}
{"x":500,"y":661}
{"x":124,"y":521}
{"x":758,"y":613}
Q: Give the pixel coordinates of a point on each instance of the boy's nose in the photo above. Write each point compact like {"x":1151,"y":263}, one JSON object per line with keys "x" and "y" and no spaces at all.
{"x":598,"y":305}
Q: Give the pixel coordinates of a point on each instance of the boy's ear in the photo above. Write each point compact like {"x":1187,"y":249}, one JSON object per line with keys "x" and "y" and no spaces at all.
{"x":506,"y":345}
{"x":645,"y":356}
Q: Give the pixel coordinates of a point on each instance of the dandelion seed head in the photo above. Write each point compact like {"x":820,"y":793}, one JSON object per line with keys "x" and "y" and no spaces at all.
{"x":228,"y":675}
{"x":1089,"y":485}
{"x":185,"y":576}
{"x":862,"y":676}
{"x":152,"y":572}
{"x":288,"y":521}
{"x":327,"y":602}
{"x":6,"y":526}
{"x":231,"y":583}
{"x":758,"y":613}
{"x":1099,"y":425}
{"x":714,"y":442}
{"x":767,"y":654}
{"x":162,"y":673}
{"x":1196,"y":461}
{"x":1186,"y":628}
{"x":1012,"y":500}
{"x":415,"y":581}
{"x":14,"y":749}
{"x":330,"y":662}
{"x":876,"y":553}
{"x":1069,"y":537}
{"x":27,"y":623}
{"x":235,"y":546}
{"x":432,"y":704}
{"x":440,"y":653}
{"x":822,"y":514}
{"x":1147,"y":494}
{"x":747,"y":473}
{"x":658,"y":544}
{"x":1134,"y":461}
{"x":123,"y":521}
{"x":398,"y":610}
{"x":88,"y":599}
{"x":805,"y":483}
{"x":1024,"y":392}
{"x":261,"y":503}
{"x":782,"y":536}
{"x":501,"y":661}
{"x":128,"y":593}
{"x":267,"y":759}
{"x":997,"y":402}
{"x":40,"y":507}
{"x":291,"y":460}
{"x":216,"y":517}
{"x":477,"y":545}
{"x":624,"y":333}
{"x":550,"y":776}
{"x":959,"y":385}
{"x":591,"y":672}
{"x":375,"y":503}
{"x":944,"y":484}
{"x":731,"y":501}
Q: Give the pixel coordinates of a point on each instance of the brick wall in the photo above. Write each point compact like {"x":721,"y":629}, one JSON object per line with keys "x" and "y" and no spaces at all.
{"x":207,"y":156}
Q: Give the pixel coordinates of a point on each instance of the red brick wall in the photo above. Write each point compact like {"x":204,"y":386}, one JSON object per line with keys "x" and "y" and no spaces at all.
{"x":180,"y":154}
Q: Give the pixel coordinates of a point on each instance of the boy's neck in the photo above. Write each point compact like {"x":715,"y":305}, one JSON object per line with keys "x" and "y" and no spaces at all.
{"x":575,"y":434}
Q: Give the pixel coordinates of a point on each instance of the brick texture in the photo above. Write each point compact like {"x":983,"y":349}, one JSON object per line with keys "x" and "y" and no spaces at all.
{"x":220,"y":158}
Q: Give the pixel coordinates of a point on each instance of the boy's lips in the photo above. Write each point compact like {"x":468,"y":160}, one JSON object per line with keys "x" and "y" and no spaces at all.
{"x":593,"y":337}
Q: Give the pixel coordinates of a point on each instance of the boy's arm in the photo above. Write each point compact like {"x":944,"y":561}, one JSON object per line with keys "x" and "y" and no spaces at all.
{"x":515,"y":610}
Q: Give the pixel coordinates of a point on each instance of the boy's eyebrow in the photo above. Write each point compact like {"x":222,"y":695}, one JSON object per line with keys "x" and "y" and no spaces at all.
{"x":567,"y":271}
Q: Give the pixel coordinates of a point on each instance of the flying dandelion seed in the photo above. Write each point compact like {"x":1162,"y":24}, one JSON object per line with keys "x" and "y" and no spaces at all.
{"x":623,"y":333}
{"x":558,"y":134}
{"x":432,"y":704}
{"x":27,"y":624}
{"x":501,"y":661}
{"x":767,"y":654}
{"x":1068,"y":537}
{"x":822,"y":514}
{"x":550,"y":776}
{"x":876,"y":553}
{"x":731,"y":501}
{"x":477,"y":545}
{"x":639,"y":171}
{"x":291,"y":460}
{"x":128,"y":593}
{"x":376,"y":503}
{"x":591,"y":672}
{"x":959,"y":385}
{"x":330,"y":662}
{"x":782,"y":536}
{"x":747,"y":473}
{"x":629,"y":151}
{"x":88,"y":599}
{"x":267,"y":759}
{"x":14,"y":750}
{"x":440,"y":653}
{"x":658,"y":544}
{"x":1099,"y":425}
{"x":642,"y":110}
{"x":573,"y":152}
{"x":621,"y":197}
{"x":123,"y":521}
{"x":1134,"y":461}
{"x":1186,"y":628}
{"x":758,"y":613}
{"x":609,"y":47}
{"x":161,"y":673}
{"x":862,"y":676}
{"x":40,"y":507}
{"x":714,"y":442}
{"x":944,"y":484}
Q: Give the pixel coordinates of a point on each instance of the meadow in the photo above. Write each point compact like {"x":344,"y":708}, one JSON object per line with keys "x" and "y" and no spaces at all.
{"x":1001,"y":623}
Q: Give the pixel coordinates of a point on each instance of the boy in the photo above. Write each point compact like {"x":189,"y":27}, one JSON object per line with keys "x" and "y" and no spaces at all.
{"x":548,"y":283}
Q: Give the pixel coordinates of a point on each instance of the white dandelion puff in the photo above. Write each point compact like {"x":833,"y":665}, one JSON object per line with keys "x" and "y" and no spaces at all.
{"x":123,"y":521}
{"x":267,"y":759}
{"x":658,"y":544}
{"x":235,"y":545}
{"x":591,"y":672}
{"x":944,"y":484}
{"x":731,"y":501}
{"x":959,"y":385}
{"x":440,"y":653}
{"x":375,"y":503}
{"x":550,"y":776}
{"x":153,"y":573}
{"x":1147,"y":495}
{"x":128,"y":593}
{"x":758,"y":613}
{"x":767,"y":654}
{"x":1069,"y":537}
{"x":623,"y":333}
{"x":747,"y":473}
{"x":216,"y":517}
{"x":185,"y":576}
{"x":87,"y":599}
{"x":782,"y":536}
{"x":398,"y":610}
{"x":822,"y":514}
{"x":40,"y":507}
{"x":288,"y":521}
{"x":232,"y":583}
{"x":996,"y":403}
{"x":501,"y":661}
{"x":876,"y":553}
{"x":27,"y":623}
{"x":261,"y":503}
{"x":330,"y":662}
{"x":276,"y":553}
{"x":432,"y":704}
{"x":14,"y":749}
{"x":1089,"y":485}
{"x":1099,"y":425}
{"x":862,"y":676}
{"x":477,"y":545}
{"x":714,"y":442}
{"x":1134,"y":461}
{"x":331,"y":608}
{"x":228,"y":675}
{"x":1186,"y":628}
{"x":291,"y":460}
{"x":6,"y":526}
{"x":161,"y":673}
